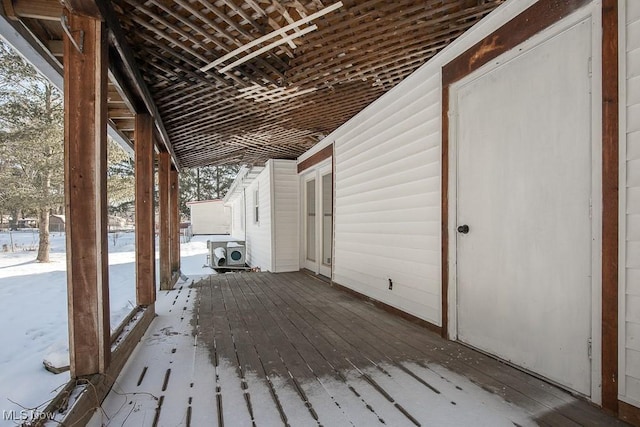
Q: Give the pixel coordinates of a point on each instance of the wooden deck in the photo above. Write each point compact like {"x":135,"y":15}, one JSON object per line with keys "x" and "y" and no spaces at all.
{"x":261,"y":349}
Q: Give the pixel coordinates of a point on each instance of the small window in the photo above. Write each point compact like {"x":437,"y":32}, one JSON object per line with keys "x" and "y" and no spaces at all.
{"x":256,"y":206}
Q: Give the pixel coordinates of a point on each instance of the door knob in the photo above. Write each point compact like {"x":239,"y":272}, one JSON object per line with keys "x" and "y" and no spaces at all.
{"x":464,"y":229}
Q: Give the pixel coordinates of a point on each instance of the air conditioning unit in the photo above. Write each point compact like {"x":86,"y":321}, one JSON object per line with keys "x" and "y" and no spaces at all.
{"x":236,"y":253}
{"x":227,"y":255}
{"x":217,"y":254}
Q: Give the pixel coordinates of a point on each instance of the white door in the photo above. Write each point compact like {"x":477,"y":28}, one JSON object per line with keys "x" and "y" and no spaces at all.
{"x":310,"y":225}
{"x":326,"y":225}
{"x":524,"y":176}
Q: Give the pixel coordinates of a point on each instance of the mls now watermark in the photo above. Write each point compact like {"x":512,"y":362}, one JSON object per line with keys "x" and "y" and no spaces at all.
{"x":26,"y":415}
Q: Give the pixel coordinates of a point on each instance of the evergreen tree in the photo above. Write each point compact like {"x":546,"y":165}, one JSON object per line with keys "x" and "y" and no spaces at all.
{"x":205,"y":183}
{"x":120,"y":181}
{"x":31,"y":143}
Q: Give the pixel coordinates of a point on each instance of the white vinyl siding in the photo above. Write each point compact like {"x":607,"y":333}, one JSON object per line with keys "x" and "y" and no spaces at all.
{"x":259,"y":233}
{"x":387,"y":223}
{"x":237,"y":217}
{"x":285,"y":213}
{"x":210,"y":217}
{"x":272,"y":236}
{"x":630,"y":292}
{"x":387,"y":186}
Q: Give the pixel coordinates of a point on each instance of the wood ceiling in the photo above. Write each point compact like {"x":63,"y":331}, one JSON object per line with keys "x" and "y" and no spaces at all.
{"x":282,"y":101}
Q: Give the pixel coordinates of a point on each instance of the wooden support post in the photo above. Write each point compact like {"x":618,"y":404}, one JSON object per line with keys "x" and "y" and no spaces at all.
{"x":145,"y":213}
{"x":85,"y":163}
{"x":610,"y":200}
{"x":164,"y":167}
{"x":175,"y":221}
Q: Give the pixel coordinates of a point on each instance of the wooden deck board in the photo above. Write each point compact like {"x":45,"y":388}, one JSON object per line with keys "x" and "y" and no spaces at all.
{"x":261,"y":349}
{"x":430,"y":347}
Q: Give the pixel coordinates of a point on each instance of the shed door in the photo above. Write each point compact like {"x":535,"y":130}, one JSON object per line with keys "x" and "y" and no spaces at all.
{"x":524,"y":186}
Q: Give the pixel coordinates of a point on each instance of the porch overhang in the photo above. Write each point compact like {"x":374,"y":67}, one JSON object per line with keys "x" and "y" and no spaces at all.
{"x":278,"y":76}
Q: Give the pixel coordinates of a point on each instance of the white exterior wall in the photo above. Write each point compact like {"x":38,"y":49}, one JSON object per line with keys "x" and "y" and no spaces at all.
{"x":387,"y":186}
{"x":259,"y":253}
{"x":284,"y":177}
{"x":237,"y":218}
{"x":210,"y":217}
{"x":630,"y":221}
{"x":387,"y":222}
{"x":272,"y":242}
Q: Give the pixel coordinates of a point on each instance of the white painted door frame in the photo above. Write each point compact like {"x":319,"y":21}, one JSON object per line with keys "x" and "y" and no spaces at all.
{"x":316,"y":173}
{"x":594,"y":12}
{"x":324,"y":268}
{"x":304,"y":258}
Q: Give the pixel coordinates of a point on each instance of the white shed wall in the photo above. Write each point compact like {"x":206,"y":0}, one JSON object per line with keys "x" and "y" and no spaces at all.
{"x":387,"y":186}
{"x":258,"y":239}
{"x":210,"y":217}
{"x":630,"y":292}
{"x":284,"y":176}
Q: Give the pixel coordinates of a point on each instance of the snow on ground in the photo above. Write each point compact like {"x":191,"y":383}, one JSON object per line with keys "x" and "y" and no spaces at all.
{"x":33,"y":310}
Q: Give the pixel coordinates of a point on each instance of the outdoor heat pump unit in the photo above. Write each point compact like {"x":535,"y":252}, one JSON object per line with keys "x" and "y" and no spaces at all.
{"x":230,"y":255}
{"x":219,"y":256}
{"x":235,"y":253}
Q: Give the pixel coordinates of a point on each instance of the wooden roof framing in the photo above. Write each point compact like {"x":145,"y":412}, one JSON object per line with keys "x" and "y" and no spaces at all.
{"x":276,"y":104}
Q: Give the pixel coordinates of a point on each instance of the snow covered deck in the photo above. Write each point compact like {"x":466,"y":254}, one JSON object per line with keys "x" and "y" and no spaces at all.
{"x":287,"y":349}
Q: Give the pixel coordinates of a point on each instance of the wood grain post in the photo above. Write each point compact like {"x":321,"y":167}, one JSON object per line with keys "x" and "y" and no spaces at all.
{"x":174,"y":193}
{"x":164,"y":167}
{"x":145,"y":213}
{"x":610,"y":200}
{"x":85,"y":163}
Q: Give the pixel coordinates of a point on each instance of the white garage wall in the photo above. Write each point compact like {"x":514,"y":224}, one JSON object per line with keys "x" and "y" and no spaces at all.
{"x":210,"y":217}
{"x":630,"y":291}
{"x":387,"y":186}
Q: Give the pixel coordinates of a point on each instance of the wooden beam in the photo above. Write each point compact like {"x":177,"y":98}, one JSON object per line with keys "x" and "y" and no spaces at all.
{"x":46,"y":10}
{"x":145,"y":212}
{"x":610,"y":200}
{"x":164,"y":167}
{"x":316,"y":158}
{"x":121,"y":113}
{"x":121,"y":84}
{"x":174,"y":198}
{"x":132,"y":70}
{"x":85,"y":140}
{"x":530,"y":22}
{"x":125,"y":124}
{"x":83,"y":7}
{"x":56,"y":47}
{"x":629,"y":413}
